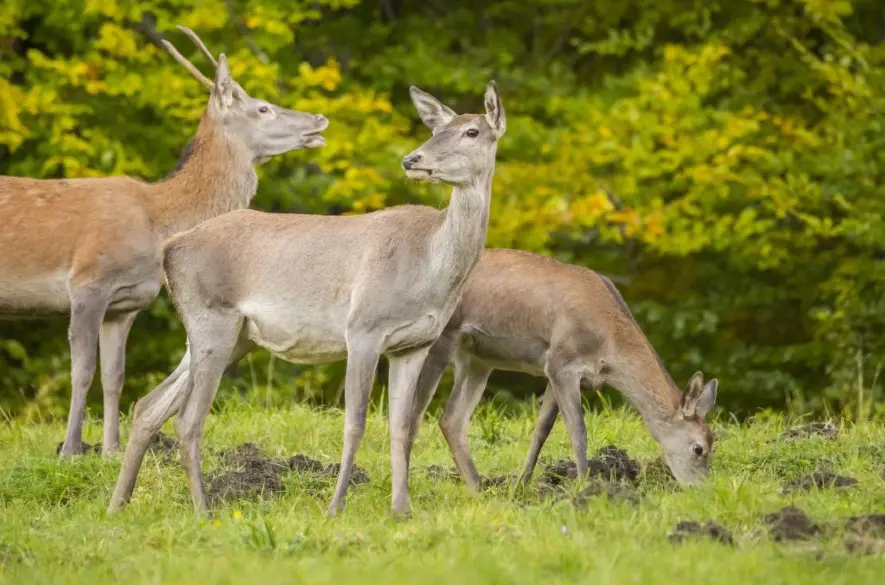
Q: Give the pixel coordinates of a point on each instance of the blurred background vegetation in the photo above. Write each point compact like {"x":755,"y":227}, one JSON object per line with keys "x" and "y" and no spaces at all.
{"x":721,"y":160}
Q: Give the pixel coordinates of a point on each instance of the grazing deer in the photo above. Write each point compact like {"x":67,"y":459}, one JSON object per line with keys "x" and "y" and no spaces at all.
{"x":93,"y":247}
{"x":528,"y":313}
{"x":316,"y":289}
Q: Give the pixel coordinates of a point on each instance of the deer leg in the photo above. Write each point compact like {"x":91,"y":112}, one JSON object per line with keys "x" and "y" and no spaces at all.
{"x":543,"y":426}
{"x":566,"y":388}
{"x":112,"y":351}
{"x":470,"y":381}
{"x":435,"y":365}
{"x":362,"y":360}
{"x":151,"y":412}
{"x":404,"y":373}
{"x":212,"y":349}
{"x":87,"y":311}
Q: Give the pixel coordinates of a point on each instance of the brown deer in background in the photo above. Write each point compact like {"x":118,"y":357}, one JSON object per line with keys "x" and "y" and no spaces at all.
{"x":93,"y":247}
{"x":528,"y":313}
{"x":317,"y":289}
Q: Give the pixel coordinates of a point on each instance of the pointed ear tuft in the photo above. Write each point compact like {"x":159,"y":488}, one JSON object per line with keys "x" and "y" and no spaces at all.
{"x":433,"y":112}
{"x":495,"y":114}
{"x":223,"y":92}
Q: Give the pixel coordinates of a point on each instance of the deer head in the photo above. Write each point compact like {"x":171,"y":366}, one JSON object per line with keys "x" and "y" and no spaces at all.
{"x":685,"y":437}
{"x":260,"y":128}
{"x":462,"y":148}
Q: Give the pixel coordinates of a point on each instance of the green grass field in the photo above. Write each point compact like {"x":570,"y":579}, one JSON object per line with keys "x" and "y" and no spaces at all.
{"x":53,"y":526}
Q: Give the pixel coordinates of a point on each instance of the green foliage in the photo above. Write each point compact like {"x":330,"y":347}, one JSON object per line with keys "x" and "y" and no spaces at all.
{"x":723,"y":160}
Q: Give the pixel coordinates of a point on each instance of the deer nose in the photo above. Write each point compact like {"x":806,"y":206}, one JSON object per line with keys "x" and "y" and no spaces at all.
{"x":410,"y":160}
{"x":320,"y":118}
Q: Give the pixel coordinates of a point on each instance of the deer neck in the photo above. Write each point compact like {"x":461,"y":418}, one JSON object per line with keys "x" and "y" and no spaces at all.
{"x":217,"y":176}
{"x":642,"y":379}
{"x":460,"y":239}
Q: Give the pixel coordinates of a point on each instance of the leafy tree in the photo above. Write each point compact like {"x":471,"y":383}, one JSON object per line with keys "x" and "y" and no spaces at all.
{"x":722,"y":161}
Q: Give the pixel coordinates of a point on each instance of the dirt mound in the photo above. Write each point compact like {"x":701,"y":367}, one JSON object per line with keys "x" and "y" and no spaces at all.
{"x":687,"y":529}
{"x":246,"y":484}
{"x":494,"y":481}
{"x":251,"y":474}
{"x":304,"y":464}
{"x":162,"y":443}
{"x":658,"y":472}
{"x":442,"y":473}
{"x":357,"y":474}
{"x":873,"y":525}
{"x":85,"y":448}
{"x":823,"y":429}
{"x":610,"y":463}
{"x":620,"y":492}
{"x":818,"y":480}
{"x":791,"y":523}
{"x":865,"y":535}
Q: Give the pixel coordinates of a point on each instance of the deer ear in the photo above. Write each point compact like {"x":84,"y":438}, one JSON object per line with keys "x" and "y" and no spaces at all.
{"x":495,"y":115}
{"x":692,"y":395}
{"x":433,"y":112}
{"x":223,"y":91}
{"x":707,"y":399}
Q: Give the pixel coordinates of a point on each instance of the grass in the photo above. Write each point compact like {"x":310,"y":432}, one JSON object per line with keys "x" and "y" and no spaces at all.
{"x":53,"y":526}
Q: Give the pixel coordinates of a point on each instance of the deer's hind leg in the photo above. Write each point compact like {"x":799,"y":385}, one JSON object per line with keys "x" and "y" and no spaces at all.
{"x":471,"y":377}
{"x":112,"y":350}
{"x":215,"y":340}
{"x":565,"y":382}
{"x":543,"y":426}
{"x":88,"y":306}
{"x":151,"y":412}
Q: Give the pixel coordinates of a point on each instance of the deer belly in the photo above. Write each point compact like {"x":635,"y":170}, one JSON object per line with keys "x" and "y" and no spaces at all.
{"x":525,"y":355}
{"x":297,"y":338}
{"x":35,"y":295}
{"x":421,"y":332}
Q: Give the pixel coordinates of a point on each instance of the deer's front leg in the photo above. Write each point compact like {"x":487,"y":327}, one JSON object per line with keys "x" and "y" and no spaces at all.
{"x":362,"y":359}
{"x":404,"y":373}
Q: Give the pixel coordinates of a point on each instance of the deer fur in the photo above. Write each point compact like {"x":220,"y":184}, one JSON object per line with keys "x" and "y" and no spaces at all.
{"x":316,"y":289}
{"x":93,"y":247}
{"x":528,"y":313}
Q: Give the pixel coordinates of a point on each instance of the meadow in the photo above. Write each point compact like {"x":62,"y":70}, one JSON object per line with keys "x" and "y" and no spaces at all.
{"x":268,"y":523}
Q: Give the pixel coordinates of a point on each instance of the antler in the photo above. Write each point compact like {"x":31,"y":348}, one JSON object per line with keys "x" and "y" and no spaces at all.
{"x":193,"y":36}
{"x":187,"y":64}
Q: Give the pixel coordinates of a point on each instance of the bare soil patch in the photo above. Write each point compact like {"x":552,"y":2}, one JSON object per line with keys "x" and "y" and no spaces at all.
{"x":688,"y":529}
{"x":865,"y":535}
{"x":610,"y":463}
{"x":85,"y":448}
{"x":611,"y":472}
{"x":439,"y":472}
{"x":791,"y":523}
{"x":250,"y":474}
{"x":615,"y":491}
{"x":821,"y":429}
{"x":819,"y":480}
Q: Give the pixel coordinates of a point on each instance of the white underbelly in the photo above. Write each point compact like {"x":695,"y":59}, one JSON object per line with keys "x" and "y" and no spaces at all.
{"x":47,"y":293}
{"x":296,"y":334}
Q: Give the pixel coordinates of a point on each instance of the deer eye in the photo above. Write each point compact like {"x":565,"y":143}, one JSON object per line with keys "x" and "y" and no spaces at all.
{"x":264,"y":109}
{"x":472,"y":133}
{"x":698,"y":449}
